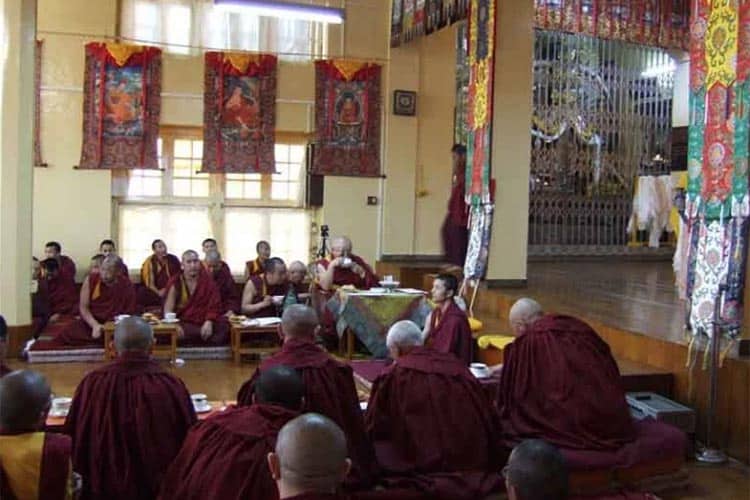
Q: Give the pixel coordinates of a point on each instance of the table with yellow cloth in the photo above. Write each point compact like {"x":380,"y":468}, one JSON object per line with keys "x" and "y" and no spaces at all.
{"x":369,"y":315}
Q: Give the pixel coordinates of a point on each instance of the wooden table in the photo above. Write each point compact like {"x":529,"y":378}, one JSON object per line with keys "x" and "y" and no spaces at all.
{"x":160,"y":330}
{"x":267,"y":334}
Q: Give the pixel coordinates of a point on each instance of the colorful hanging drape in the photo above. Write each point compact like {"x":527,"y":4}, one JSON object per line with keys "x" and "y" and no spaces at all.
{"x":37,"y":105}
{"x":121,"y":106}
{"x":481,"y":52}
{"x":239,"y":113}
{"x":411,"y":19}
{"x":658,"y":23}
{"x":717,"y":193}
{"x":347,"y":118}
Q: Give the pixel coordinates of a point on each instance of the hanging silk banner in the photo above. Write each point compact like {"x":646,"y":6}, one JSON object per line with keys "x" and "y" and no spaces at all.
{"x":408,"y":20}
{"x":435,"y":19}
{"x":481,"y":71}
{"x":717,"y":192}
{"x":347,"y":118}
{"x":121,"y":106}
{"x":37,"y":105}
{"x":396,"y":19}
{"x":239,"y":113}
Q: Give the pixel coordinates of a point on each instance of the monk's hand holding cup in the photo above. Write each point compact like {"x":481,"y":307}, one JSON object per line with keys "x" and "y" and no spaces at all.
{"x":96,"y":331}
{"x":207,"y":330}
{"x":267,"y":300}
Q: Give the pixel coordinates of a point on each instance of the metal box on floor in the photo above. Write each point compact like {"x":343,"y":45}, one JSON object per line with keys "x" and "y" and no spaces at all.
{"x":650,"y":404}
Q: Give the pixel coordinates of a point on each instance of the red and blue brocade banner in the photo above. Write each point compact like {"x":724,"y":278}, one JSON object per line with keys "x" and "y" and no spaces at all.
{"x":239,"y":113}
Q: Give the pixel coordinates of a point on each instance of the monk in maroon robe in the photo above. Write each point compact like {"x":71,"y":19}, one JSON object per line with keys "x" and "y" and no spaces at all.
{"x":345,"y":268}
{"x":447,"y":326}
{"x":128,"y":420}
{"x":66,"y":266}
{"x":40,"y":302}
{"x":263,"y":295}
{"x":536,"y":469}
{"x":4,"y":370}
{"x":33,"y":464}
{"x":63,"y":296}
{"x":156,"y":272}
{"x":560,"y":383}
{"x":329,"y":387}
{"x":431,"y":423}
{"x":107,"y":248}
{"x":255,"y":267}
{"x":297,"y":278}
{"x":225,"y":455}
{"x":104,"y":296}
{"x":455,"y":231}
{"x":222,"y":276}
{"x":194,"y":297}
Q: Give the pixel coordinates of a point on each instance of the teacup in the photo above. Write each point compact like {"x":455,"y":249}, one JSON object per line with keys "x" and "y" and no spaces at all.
{"x":199,"y":400}
{"x":479,"y":370}
{"x":277,"y":300}
{"x":121,"y":317}
{"x":170,"y":316}
{"x":346,"y":262}
{"x":61,"y":405}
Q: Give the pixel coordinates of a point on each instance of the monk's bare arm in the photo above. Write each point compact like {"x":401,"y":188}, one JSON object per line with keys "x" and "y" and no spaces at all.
{"x":325,"y":276}
{"x":83,"y":306}
{"x":248,"y":295}
{"x":169,"y":303}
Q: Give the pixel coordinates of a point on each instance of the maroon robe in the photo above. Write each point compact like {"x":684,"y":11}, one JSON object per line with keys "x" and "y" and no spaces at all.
{"x":330,"y":391}
{"x":254,"y":267}
{"x":105,"y":302}
{"x":454,"y":231}
{"x":560,"y":383}
{"x":156,"y":273}
{"x":384,"y":494}
{"x":204,"y":304}
{"x":128,"y":420}
{"x":123,"y":269}
{"x":40,"y":307}
{"x":450,"y":332}
{"x":67,"y":268}
{"x":433,"y":427}
{"x":230,"y":299}
{"x":4,"y":370}
{"x":262,"y":288}
{"x":54,"y":470}
{"x":224,"y":457}
{"x":63,"y":295}
{"x":345,"y":276}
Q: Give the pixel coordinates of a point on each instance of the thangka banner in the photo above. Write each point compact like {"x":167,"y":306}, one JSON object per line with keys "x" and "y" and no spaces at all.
{"x":717,"y":193}
{"x":239,"y":113}
{"x":658,"y":23}
{"x":121,"y":106}
{"x":411,"y":19}
{"x":481,"y":72}
{"x":347,"y":118}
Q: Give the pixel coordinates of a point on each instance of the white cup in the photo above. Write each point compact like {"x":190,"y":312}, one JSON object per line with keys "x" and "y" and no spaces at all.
{"x":479,"y":370}
{"x":61,"y":404}
{"x":346,"y":262}
{"x":170,"y":316}
{"x":121,"y":317}
{"x":199,"y":400}
{"x":277,"y":299}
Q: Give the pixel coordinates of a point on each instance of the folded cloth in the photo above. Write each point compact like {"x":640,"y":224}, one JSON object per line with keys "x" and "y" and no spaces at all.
{"x":496,"y":341}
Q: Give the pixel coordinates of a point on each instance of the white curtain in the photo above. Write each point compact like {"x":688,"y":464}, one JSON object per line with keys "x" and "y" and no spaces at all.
{"x":181,"y":24}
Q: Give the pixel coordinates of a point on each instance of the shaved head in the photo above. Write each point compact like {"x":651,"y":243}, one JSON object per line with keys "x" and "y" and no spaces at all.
{"x":280,"y":385}
{"x":524,"y":313}
{"x":213,"y":256}
{"x":536,"y":470}
{"x":343,"y":242}
{"x":24,"y":399}
{"x":133,"y":334}
{"x":299,"y":321}
{"x":189,"y":254}
{"x":402,"y":337}
{"x":311,"y":455}
{"x":297,"y":266}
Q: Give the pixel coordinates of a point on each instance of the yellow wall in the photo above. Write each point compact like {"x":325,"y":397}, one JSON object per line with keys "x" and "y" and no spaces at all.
{"x":74,"y":206}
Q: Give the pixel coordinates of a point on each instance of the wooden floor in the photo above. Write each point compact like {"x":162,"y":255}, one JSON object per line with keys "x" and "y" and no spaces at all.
{"x":220,"y":380}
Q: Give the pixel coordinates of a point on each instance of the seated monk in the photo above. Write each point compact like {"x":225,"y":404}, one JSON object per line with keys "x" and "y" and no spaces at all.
{"x":345,"y":268}
{"x":447,"y":326}
{"x":96,"y":263}
{"x":128,"y":420}
{"x":63,"y":295}
{"x":536,"y":470}
{"x":107,"y":248}
{"x":258,"y":295}
{"x":297,"y":274}
{"x":33,"y":464}
{"x":329,"y":386}
{"x":255,"y":267}
{"x":4,"y":370}
{"x":40,"y":302}
{"x":224,"y":457}
{"x":156,"y":271}
{"x":66,"y":266}
{"x":193,"y":295}
{"x":103,"y":297}
{"x":431,"y":423}
{"x":222,"y":276}
{"x":560,"y":383}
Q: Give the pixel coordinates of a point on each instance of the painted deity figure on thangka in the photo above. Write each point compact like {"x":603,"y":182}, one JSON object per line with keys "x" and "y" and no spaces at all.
{"x":241,"y":114}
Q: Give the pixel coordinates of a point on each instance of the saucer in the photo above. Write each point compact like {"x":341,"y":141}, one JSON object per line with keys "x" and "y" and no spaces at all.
{"x":205,"y":408}
{"x":58,"y":413}
{"x":169,"y":321}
